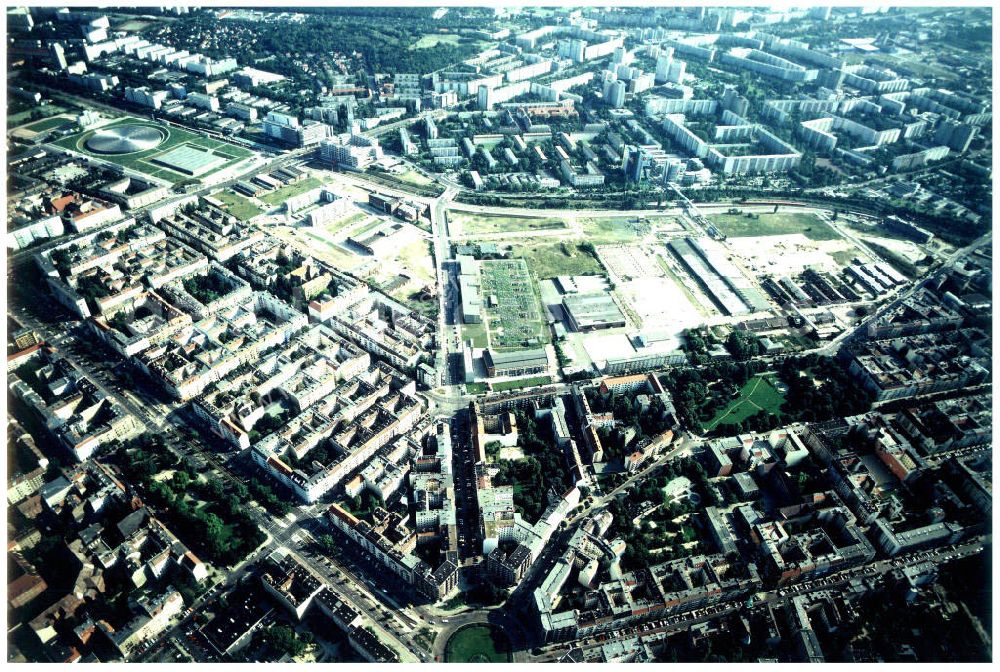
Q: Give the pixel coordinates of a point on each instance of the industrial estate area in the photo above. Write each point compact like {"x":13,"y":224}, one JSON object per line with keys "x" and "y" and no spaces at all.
{"x":456,"y":334}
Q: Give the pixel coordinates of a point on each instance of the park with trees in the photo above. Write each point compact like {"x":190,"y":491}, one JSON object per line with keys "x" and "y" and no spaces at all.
{"x":814,"y":388}
{"x":209,"y":516}
{"x":541,"y":470}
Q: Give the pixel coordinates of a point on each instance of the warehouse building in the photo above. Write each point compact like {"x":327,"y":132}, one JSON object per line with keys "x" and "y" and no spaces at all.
{"x":468,"y":284}
{"x":590,"y":312}
{"x":520,"y":363}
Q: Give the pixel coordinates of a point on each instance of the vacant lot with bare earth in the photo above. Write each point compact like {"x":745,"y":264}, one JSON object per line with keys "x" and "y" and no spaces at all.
{"x":472,"y":224}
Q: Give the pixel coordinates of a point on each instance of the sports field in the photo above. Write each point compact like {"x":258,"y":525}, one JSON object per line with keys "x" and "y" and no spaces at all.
{"x":48,"y":124}
{"x":512,"y":311}
{"x":759,"y":394}
{"x":143,"y":161}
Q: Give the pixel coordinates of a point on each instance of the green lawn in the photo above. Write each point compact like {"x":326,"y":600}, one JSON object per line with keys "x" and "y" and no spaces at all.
{"x":518,"y":384}
{"x":774,"y":224}
{"x":759,"y":394}
{"x":550,"y":260}
{"x":48,"y":124}
{"x":282,"y":194}
{"x":474,"y":225}
{"x":475,"y":388}
{"x":480,"y":643}
{"x":141,"y":161}
{"x":238,"y":206}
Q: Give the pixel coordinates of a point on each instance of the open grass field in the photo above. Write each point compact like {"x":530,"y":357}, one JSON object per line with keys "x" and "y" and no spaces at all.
{"x":479,"y":643}
{"x":549,"y":260}
{"x":142,"y":161}
{"x":432,"y":40}
{"x":18,"y":118}
{"x":612,"y":229}
{"x":238,"y":206}
{"x":511,"y":308}
{"x":416,"y":261}
{"x":471,"y":224}
{"x":774,"y":224}
{"x":475,"y":332}
{"x":311,"y":242}
{"x":413,"y":177}
{"x":282,"y":194}
{"x":844,"y":257}
{"x":624,"y":229}
{"x":759,"y":394}
{"x":133,"y":26}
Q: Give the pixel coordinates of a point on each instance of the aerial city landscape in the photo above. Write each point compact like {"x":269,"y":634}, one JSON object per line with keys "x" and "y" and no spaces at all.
{"x":521,"y":334}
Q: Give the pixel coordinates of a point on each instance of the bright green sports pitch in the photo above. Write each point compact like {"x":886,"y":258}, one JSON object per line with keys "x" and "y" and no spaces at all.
{"x":48,"y":124}
{"x":759,"y":394}
{"x":142,"y":161}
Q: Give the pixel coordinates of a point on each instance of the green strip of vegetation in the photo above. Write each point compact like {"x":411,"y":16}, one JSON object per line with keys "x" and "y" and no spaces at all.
{"x":282,"y":194}
{"x":518,"y":384}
